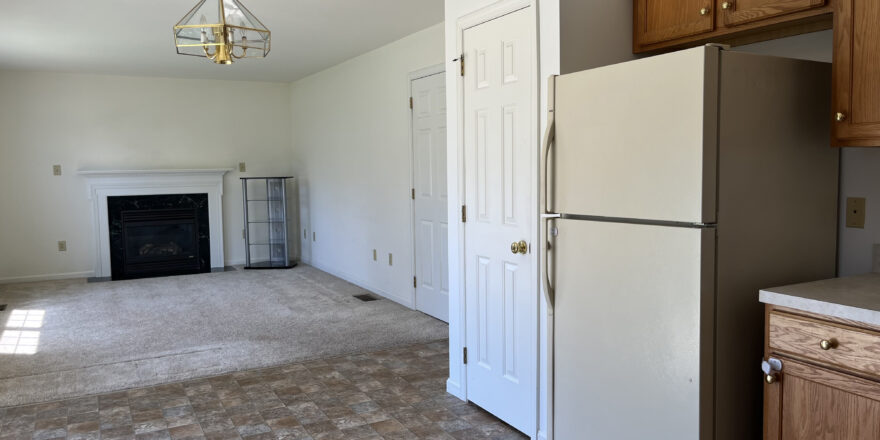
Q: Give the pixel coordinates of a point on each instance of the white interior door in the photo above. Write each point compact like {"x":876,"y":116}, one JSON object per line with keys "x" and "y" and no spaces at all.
{"x":501,"y":286}
{"x":431,"y":221}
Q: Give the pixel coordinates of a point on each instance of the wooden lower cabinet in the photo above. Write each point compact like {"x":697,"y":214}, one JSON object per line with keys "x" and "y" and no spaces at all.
{"x":828,"y":392}
{"x":809,"y":402}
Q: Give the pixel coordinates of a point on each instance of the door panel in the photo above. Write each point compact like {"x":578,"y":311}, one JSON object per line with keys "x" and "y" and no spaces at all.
{"x":658,"y":169}
{"x":815,"y":403}
{"x":628,"y":316}
{"x":430,"y":204}
{"x":501,"y":286}
{"x":746,"y":11}
{"x":663,"y":20}
{"x":856,"y":71}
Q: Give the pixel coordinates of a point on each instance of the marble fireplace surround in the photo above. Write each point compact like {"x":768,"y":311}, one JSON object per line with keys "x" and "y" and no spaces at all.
{"x":108,"y":183}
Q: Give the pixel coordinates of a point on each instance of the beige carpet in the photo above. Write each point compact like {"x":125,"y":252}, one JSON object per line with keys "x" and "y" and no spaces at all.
{"x":99,"y":337}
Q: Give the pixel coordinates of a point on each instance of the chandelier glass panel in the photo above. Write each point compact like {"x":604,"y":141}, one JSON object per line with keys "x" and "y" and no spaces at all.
{"x":222,"y":31}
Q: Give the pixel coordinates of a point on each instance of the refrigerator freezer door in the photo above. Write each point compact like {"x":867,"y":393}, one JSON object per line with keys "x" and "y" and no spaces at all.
{"x":630,"y":361}
{"x":637,"y":139}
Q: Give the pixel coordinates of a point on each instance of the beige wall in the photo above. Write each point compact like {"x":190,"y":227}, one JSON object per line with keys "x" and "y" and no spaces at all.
{"x":860,"y":167}
{"x":352,"y":157}
{"x":594,"y":33}
{"x":115,"y":122}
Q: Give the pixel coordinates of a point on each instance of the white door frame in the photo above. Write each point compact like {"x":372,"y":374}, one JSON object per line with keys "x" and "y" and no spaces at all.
{"x":457,"y":384}
{"x":412,"y":76}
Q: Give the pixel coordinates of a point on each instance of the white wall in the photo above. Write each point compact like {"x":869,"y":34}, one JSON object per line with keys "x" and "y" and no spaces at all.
{"x":860,"y":167}
{"x":115,"y":122}
{"x":352,"y":157}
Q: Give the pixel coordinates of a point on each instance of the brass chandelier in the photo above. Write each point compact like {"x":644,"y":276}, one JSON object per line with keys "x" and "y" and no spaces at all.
{"x":222,"y":31}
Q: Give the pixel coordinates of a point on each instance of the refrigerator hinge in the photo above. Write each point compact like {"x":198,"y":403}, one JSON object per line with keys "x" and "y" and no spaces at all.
{"x":464,"y":355}
{"x":463,"y":213}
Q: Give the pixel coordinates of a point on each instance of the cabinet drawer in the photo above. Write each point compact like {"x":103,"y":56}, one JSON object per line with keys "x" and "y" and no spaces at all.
{"x":825,"y":342}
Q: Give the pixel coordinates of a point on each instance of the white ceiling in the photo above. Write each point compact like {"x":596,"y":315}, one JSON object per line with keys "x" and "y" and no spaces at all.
{"x":133,"y":37}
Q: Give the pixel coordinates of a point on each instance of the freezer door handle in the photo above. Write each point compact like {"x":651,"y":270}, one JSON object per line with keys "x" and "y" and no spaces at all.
{"x":546,"y":215}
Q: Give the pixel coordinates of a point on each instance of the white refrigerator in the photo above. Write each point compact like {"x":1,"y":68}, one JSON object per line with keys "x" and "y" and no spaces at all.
{"x":675,"y":187}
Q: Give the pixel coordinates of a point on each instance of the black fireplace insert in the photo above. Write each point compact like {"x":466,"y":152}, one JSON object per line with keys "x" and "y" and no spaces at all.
{"x":158,"y":235}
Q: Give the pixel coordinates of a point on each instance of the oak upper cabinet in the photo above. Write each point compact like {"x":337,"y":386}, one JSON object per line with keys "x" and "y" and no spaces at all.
{"x":738,"y":12}
{"x":676,"y":24}
{"x":664,"y":20}
{"x":856,"y":112}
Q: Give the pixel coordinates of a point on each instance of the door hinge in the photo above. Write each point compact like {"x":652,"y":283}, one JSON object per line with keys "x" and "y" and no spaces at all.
{"x":464,"y":355}
{"x":410,"y":103}
{"x":461,"y":64}
{"x":463,"y":214}
{"x":413,"y":193}
{"x":414,"y":283}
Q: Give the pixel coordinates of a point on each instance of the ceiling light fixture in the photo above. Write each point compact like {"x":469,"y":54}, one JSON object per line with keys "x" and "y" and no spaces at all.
{"x":222,"y":31}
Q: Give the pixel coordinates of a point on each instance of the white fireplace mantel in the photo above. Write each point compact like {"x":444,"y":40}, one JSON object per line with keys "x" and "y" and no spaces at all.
{"x":107,"y":183}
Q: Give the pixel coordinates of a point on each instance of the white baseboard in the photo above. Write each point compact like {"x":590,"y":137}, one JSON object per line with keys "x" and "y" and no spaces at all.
{"x":47,"y":277}
{"x":360,"y":283}
{"x":454,"y":388}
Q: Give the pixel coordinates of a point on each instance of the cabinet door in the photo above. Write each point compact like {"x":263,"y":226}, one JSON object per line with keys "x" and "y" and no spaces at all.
{"x":814,"y":403}
{"x":664,"y":20}
{"x":856,"y":77}
{"x":736,"y":12}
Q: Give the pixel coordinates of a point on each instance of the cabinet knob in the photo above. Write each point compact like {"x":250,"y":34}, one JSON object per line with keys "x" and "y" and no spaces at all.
{"x":827,"y":344}
{"x":840,"y":116}
{"x":727,"y":5}
{"x":704,"y":11}
{"x":771,"y":378}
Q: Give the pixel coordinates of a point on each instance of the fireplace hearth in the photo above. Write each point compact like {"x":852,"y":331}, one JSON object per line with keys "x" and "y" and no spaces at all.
{"x":158,"y":235}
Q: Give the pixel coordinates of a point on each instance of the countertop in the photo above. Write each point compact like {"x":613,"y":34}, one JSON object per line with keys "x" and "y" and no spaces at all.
{"x":856,"y":297}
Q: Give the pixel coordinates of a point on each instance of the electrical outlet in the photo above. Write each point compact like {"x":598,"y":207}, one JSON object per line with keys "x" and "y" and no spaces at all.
{"x":855,"y":212}
{"x":56,"y":170}
{"x":390,"y":261}
{"x":62,"y":246}
{"x":374,"y":255}
{"x":242,"y":167}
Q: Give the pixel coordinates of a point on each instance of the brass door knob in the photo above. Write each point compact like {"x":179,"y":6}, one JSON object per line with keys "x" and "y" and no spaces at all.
{"x":727,"y":5}
{"x":704,"y":11}
{"x":827,"y":344}
{"x":771,"y":378}
{"x":840,"y":117}
{"x":519,"y":247}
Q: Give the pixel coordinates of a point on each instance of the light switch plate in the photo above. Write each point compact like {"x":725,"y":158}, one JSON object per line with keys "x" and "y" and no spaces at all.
{"x":855,"y":212}
{"x":56,"y":170}
{"x":242,"y":167}
{"x":62,"y":246}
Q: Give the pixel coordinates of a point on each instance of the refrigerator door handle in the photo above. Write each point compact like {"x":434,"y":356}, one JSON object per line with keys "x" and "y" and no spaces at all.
{"x":546,"y":215}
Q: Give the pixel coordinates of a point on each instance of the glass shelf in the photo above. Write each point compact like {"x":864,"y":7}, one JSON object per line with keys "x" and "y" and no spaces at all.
{"x":266,"y":228}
